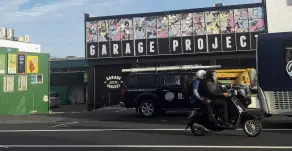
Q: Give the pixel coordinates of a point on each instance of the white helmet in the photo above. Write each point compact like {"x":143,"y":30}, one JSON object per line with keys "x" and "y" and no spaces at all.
{"x":201,"y":74}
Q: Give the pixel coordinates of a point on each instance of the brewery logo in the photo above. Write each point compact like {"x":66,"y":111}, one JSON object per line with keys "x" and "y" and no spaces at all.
{"x":169,"y":96}
{"x":289,"y":68}
{"x":113,"y":82}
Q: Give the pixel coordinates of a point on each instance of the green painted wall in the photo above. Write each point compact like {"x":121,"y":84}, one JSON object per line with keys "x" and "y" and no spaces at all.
{"x":28,"y":101}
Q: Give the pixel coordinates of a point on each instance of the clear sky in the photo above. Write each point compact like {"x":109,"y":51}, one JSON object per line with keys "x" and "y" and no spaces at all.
{"x":58,"y":25}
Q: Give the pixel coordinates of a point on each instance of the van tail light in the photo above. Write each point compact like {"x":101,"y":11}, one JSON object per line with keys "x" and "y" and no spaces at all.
{"x":122,"y":91}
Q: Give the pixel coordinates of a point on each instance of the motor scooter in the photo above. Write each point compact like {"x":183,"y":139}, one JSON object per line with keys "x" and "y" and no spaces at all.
{"x":249,"y":120}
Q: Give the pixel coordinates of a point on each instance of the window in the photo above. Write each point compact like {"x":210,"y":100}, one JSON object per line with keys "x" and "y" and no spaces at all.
{"x":8,"y":83}
{"x":143,"y":80}
{"x":147,"y":80}
{"x":22,"y":82}
{"x":172,"y":80}
{"x":35,"y":79}
{"x":133,"y":80}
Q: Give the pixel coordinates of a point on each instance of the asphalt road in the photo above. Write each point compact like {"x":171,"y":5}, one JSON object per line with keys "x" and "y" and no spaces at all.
{"x":117,"y":129}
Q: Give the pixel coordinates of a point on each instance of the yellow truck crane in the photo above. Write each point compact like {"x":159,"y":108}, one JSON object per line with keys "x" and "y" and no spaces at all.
{"x":237,"y":76}
{"x":246,"y":77}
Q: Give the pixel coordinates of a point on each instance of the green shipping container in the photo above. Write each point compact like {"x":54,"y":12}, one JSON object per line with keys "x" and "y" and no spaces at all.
{"x":24,"y":82}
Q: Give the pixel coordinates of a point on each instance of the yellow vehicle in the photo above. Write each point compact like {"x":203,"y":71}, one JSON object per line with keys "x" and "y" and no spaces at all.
{"x":246,"y":77}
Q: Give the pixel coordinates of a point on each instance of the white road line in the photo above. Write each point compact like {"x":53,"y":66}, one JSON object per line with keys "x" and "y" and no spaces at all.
{"x":121,"y":110}
{"x":104,"y":130}
{"x":65,"y":124}
{"x":145,"y":146}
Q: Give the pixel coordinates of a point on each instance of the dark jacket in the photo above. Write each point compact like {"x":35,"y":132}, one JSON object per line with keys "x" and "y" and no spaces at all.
{"x":208,"y":88}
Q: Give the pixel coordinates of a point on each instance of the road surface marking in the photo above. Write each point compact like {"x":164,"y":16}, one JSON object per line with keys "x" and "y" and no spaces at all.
{"x":145,"y":146}
{"x":121,"y":110}
{"x":104,"y":130}
{"x":65,"y":124}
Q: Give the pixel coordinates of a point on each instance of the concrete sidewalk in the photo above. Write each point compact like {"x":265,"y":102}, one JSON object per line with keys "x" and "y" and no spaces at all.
{"x":20,"y":119}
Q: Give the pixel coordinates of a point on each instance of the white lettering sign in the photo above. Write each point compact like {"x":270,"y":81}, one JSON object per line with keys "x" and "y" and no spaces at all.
{"x":128,"y":49}
{"x":242,"y":42}
{"x":200,"y":43}
{"x":179,"y":96}
{"x":113,"y":82}
{"x":103,"y":50}
{"x":116,"y":47}
{"x":140,"y":47}
{"x":215,"y":44}
{"x":228,"y":42}
{"x":92,"y":50}
{"x":188,"y":45}
{"x":151,"y":46}
{"x":174,"y":45}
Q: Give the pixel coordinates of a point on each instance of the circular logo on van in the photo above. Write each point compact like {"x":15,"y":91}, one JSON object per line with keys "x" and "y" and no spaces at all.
{"x":113,"y":82}
{"x":289,"y":68}
{"x":169,"y":96}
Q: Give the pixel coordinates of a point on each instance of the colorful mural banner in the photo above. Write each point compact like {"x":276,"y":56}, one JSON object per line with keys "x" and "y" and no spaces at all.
{"x":21,"y":63}
{"x":32,"y":64}
{"x":175,"y":33}
{"x":176,"y":25}
{"x":2,"y":64}
{"x":12,"y":63}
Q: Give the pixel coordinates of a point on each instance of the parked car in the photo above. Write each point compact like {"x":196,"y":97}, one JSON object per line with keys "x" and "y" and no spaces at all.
{"x":154,"y":93}
{"x":54,"y":99}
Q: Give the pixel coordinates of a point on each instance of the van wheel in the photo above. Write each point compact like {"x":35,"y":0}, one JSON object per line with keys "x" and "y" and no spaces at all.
{"x":147,"y":108}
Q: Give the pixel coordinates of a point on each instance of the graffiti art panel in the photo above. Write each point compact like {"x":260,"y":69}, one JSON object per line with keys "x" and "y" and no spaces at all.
{"x":162,"y":21}
{"x":227,"y":27}
{"x":199,"y":27}
{"x":256,"y":25}
{"x":175,"y":31}
{"x":103,"y":30}
{"x":91,"y":31}
{"x":151,"y":21}
{"x":187,"y":29}
{"x":127,"y":34}
{"x":151,"y":32}
{"x":140,"y":22}
{"x":126,"y":23}
{"x":255,"y":13}
{"x":115,"y":29}
{"x":162,"y":32}
{"x":213,"y":27}
{"x":162,"y":26}
{"x":174,"y":19}
{"x":241,"y":14}
{"x":140,"y":33}
{"x":227,"y":22}
{"x":241,"y":26}
{"x":212,"y":16}
{"x":199,"y":17}
{"x":115,"y":35}
{"x":187,"y":18}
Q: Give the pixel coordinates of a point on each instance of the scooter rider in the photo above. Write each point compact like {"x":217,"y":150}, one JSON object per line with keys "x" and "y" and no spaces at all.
{"x":200,"y":75}
{"x":209,"y":89}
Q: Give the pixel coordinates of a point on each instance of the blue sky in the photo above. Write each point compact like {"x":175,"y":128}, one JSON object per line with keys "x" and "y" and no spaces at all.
{"x":58,"y":24}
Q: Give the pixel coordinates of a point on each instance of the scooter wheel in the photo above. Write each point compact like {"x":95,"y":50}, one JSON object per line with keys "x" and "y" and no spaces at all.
{"x":197,"y":132}
{"x":252,"y":127}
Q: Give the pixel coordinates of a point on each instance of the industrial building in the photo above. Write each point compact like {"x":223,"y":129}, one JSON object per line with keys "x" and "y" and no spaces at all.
{"x":224,"y":35}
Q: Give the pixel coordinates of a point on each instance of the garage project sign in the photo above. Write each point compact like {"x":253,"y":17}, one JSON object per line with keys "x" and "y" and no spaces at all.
{"x":113,"y":82}
{"x":183,"y":32}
